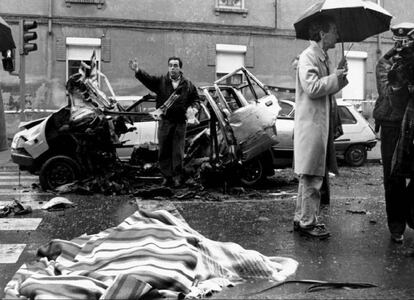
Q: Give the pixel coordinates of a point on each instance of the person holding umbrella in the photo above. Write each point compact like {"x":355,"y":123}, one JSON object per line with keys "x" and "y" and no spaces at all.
{"x":324,"y":23}
{"x":315,"y":123}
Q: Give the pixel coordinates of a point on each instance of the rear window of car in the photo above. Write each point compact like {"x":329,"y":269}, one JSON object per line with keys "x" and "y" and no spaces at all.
{"x":145,"y":106}
{"x":346,"y":116}
{"x":286,"y":108}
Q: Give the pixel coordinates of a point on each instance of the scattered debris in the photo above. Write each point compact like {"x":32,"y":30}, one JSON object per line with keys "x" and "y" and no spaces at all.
{"x":186,"y":196}
{"x":238,"y":190}
{"x":20,"y":209}
{"x":57,"y":203}
{"x":154,"y":192}
{"x":263,"y":219}
{"x":357,"y":211}
{"x":283,"y":194}
{"x":16,"y":207}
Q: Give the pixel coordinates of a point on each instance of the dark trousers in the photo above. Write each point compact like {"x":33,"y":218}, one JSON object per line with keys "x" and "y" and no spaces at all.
{"x":171,"y":141}
{"x":397,"y":192}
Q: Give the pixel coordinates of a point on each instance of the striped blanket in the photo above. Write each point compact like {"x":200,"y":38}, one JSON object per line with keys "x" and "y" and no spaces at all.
{"x":150,"y":253}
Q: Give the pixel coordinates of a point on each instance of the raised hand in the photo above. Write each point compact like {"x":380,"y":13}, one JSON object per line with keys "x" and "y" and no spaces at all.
{"x":133,"y":64}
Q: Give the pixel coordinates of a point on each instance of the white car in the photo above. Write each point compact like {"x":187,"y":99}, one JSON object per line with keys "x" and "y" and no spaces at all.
{"x":352,"y":146}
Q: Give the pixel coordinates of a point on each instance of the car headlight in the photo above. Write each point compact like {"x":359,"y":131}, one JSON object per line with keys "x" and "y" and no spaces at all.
{"x":18,"y":142}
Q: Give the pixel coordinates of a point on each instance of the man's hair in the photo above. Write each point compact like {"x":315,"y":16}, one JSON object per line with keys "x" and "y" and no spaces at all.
{"x":176,"y":58}
{"x":321,"y":23}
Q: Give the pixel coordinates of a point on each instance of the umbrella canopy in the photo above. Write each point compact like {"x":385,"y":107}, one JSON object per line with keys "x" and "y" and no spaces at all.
{"x":355,"y":20}
{"x":6,"y":38}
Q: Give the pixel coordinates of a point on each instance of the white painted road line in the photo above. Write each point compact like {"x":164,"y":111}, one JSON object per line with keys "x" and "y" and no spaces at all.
{"x":16,"y":178}
{"x":12,"y":192}
{"x":7,"y":224}
{"x":10,"y":253}
{"x":16,"y":184}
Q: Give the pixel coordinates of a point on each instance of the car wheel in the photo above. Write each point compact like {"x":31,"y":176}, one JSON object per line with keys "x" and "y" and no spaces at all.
{"x":58,"y":170}
{"x":251,"y":172}
{"x":356,"y":155}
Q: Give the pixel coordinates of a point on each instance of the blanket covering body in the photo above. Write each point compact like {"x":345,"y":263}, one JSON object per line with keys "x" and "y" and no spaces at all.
{"x":149,"y":252}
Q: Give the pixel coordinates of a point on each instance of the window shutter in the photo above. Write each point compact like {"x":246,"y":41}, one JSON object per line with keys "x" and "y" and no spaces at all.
{"x":249,"y":57}
{"x":106,"y":49}
{"x":61,"y":49}
{"x":211,"y":55}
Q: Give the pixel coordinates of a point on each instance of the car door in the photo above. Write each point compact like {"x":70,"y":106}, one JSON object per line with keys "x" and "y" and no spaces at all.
{"x":352,"y":130}
{"x":284,"y":126}
{"x":145,"y":132}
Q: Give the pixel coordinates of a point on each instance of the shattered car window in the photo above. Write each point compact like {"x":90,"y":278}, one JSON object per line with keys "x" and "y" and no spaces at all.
{"x":252,"y":92}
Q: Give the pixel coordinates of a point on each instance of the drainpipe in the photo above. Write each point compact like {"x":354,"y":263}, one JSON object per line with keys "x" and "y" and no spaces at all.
{"x":379,"y":52}
{"x":49,"y":53}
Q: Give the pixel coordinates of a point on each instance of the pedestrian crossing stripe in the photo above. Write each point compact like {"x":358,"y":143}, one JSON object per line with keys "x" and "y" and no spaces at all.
{"x":7,"y":224}
{"x":10,"y":253}
{"x":25,"y":192}
{"x":16,"y":174}
{"x":16,"y":184}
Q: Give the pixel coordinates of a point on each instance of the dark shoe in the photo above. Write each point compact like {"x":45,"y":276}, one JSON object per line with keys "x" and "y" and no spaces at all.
{"x":296,"y":225}
{"x":167,"y":182}
{"x":397,"y":238}
{"x":317,"y":231}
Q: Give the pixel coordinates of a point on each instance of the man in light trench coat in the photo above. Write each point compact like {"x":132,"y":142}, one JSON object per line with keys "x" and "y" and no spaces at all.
{"x":315,"y":124}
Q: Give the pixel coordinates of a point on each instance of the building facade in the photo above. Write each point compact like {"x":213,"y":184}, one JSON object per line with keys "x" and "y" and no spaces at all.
{"x":211,"y":36}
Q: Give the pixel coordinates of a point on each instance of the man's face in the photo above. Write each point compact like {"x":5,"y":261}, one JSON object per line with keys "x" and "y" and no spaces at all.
{"x":330,"y":38}
{"x":174,"y":68}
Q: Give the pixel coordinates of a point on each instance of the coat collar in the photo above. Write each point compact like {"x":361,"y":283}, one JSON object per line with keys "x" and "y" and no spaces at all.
{"x":170,"y":80}
{"x":322,"y":55}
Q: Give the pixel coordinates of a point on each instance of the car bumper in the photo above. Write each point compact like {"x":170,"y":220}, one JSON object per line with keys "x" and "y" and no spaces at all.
{"x":371,"y":144}
{"x":22,"y":158}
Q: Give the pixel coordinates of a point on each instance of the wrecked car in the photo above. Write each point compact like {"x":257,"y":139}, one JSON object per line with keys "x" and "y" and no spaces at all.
{"x":233,"y":136}
{"x":77,"y":140}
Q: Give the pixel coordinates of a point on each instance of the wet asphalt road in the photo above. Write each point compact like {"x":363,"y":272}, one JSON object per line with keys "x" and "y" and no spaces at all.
{"x":358,"y":251}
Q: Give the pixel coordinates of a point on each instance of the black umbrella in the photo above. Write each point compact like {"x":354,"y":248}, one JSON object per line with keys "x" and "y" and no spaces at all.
{"x":355,"y":20}
{"x":6,"y":38}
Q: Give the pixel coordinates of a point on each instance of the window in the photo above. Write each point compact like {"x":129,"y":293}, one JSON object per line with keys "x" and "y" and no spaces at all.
{"x":231,"y":3}
{"x":346,"y":116}
{"x":81,"y":49}
{"x":99,"y":3}
{"x":236,"y":79}
{"x":253,"y":92}
{"x":286,"y":109}
{"x":231,"y":6}
{"x":74,"y":65}
{"x":228,"y":59}
{"x":231,"y":99}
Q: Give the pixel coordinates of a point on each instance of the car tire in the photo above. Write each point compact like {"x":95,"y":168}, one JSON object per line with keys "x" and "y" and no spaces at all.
{"x":57,"y":171}
{"x":251,"y":172}
{"x":356,"y":155}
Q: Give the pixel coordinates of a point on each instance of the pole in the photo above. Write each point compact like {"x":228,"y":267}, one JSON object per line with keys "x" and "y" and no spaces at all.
{"x":22,"y":75}
{"x":22,"y":87}
{"x":3,"y":132}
